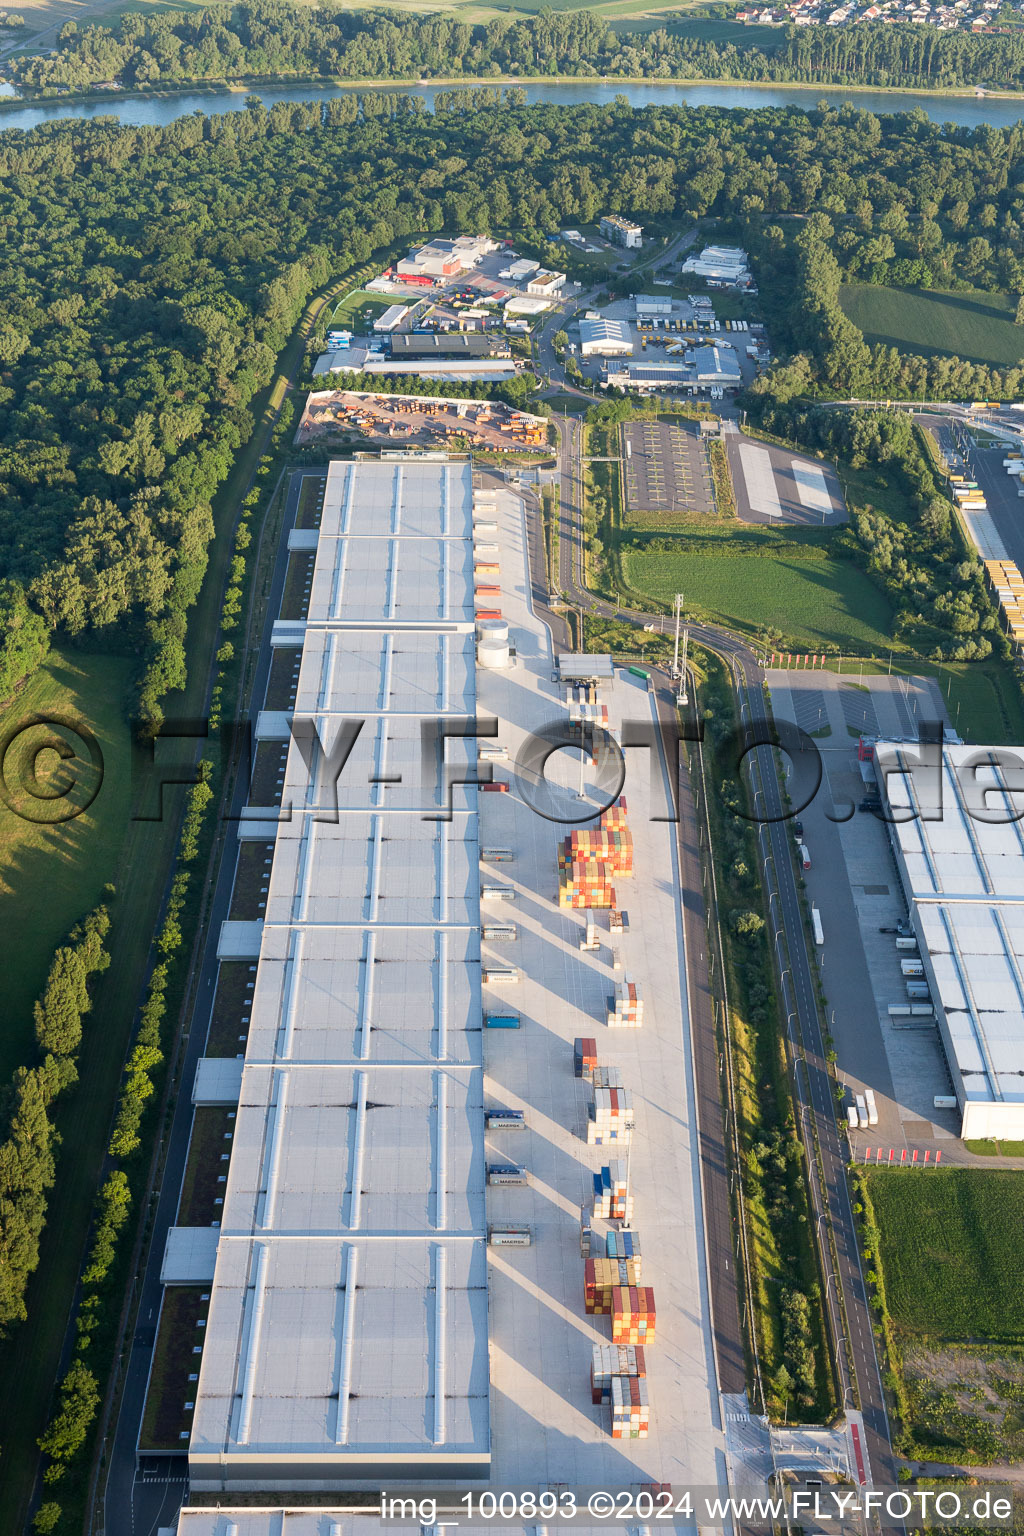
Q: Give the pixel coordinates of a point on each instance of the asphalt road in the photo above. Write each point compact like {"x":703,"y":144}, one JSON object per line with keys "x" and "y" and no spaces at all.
{"x":847,"y":1301}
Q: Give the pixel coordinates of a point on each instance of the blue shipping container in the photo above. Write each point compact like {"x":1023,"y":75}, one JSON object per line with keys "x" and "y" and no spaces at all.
{"x":501,"y":1020}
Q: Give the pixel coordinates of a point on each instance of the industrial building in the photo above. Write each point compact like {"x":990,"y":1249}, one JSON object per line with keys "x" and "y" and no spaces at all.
{"x":356,"y":360}
{"x":648,"y":304}
{"x":368,"y":1326}
{"x":956,"y":834}
{"x":544,"y":284}
{"x":622,"y":231}
{"x":391,"y":319}
{"x":605,"y":338}
{"x":724,"y":265}
{"x":451,"y":344}
{"x":520,"y":270}
{"x":651,"y":375}
{"x":442,"y":259}
{"x":347,"y":1332}
{"x":715,"y":366}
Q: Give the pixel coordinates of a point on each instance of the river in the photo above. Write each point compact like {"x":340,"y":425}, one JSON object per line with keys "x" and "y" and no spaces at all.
{"x":966,"y":110}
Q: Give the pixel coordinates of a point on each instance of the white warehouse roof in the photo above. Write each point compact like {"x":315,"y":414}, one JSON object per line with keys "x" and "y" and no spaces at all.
{"x":607,"y":338}
{"x":960,"y":851}
{"x":347,"y":1333}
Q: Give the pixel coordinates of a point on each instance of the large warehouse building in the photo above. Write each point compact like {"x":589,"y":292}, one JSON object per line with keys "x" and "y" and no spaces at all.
{"x":959,"y":846}
{"x":347,"y":1333}
{"x":441,"y":1239}
{"x":605,"y":338}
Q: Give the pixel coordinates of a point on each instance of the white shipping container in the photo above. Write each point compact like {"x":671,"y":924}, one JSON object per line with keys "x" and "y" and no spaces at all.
{"x":908,"y":944}
{"x":944,"y":1101}
{"x":900,"y":1010}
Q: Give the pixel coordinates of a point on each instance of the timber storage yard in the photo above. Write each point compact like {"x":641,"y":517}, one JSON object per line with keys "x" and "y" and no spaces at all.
{"x":462,"y":1237}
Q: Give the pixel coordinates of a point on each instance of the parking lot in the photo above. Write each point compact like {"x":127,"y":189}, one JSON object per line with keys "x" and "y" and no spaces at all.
{"x":665,"y":469}
{"x":776,"y":486}
{"x":852,"y":881}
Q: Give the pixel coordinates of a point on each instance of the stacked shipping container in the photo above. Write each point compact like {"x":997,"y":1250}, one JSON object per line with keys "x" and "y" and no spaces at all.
{"x":627,"y":1010}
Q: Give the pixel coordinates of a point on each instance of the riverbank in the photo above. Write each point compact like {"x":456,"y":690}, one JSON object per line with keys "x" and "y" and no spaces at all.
{"x":158,"y":107}
{"x":252,"y":85}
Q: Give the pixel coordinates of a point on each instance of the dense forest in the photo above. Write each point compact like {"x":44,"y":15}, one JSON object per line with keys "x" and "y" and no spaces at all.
{"x":155,"y":273}
{"x":269,"y":38}
{"x":829,"y":354}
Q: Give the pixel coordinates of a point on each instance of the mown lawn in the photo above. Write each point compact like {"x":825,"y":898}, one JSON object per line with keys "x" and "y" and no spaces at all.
{"x":951,"y":1251}
{"x":973,"y":325}
{"x":750,"y":580}
{"x":50,"y":876}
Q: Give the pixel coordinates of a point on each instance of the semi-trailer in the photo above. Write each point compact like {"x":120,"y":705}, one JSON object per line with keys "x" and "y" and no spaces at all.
{"x":506,"y":1173}
{"x":819,"y":932}
{"x":872,"y":1107}
{"x":508,"y":1237}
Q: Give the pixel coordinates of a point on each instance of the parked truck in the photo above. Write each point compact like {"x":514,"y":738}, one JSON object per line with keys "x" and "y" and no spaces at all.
{"x":819,"y":932}
{"x":805,"y":858}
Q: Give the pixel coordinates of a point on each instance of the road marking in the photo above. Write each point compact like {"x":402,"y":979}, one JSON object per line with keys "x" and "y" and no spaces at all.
{"x":762,"y":492}
{"x":811,"y":486}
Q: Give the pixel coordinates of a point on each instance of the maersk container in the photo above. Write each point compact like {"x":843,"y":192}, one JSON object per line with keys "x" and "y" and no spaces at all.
{"x":493,"y":754}
{"x":500,"y":933}
{"x":505,"y":1120}
{"x":507,"y":1173}
{"x":944,"y":1101}
{"x":508,"y":1237}
{"x":497,"y":893}
{"x":500,"y":973}
{"x":501,"y":1021}
{"x":497,"y":855}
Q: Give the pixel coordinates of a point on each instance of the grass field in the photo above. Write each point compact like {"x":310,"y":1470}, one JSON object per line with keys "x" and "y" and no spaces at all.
{"x":811,"y":598}
{"x":50,"y":876}
{"x":948,"y":1250}
{"x":975,"y":326}
{"x":951,"y":1252}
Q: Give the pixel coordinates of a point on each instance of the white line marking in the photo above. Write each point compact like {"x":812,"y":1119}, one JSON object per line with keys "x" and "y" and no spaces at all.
{"x":762,"y":492}
{"x":810,"y":483}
